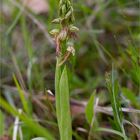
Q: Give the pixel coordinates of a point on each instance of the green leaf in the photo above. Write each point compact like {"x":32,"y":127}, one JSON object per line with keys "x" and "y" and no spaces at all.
{"x":63,"y":102}
{"x":57,"y":93}
{"x":2,"y":125}
{"x":65,"y":120}
{"x":90,"y":109}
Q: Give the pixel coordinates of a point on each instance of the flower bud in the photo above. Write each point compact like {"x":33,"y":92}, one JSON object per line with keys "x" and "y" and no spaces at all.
{"x":68,"y":14}
{"x":57,"y":20}
{"x":60,"y":2}
{"x":54,"y":32}
{"x":71,"y":50}
{"x":72,"y":18}
{"x":73,"y":28}
{"x":63,"y":9}
{"x":68,"y":2}
{"x":63,"y":35}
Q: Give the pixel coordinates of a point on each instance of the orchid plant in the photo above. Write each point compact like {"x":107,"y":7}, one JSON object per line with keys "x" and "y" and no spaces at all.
{"x":64,"y":39}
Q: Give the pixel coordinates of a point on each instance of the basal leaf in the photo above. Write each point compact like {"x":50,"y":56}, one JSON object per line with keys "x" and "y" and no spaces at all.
{"x":57,"y":93}
{"x":65,"y":121}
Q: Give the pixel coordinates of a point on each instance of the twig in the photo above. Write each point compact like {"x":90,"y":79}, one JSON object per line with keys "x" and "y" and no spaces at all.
{"x":109,"y":110}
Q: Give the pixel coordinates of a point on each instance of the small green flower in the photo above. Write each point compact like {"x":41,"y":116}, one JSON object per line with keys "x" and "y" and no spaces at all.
{"x":67,"y":31}
{"x":57,"y":20}
{"x":73,"y":28}
{"x":63,"y":35}
{"x":54,"y":32}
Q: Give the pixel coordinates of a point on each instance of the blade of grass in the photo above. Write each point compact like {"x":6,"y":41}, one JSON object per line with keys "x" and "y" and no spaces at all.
{"x":2,"y":125}
{"x":27,"y":37}
{"x":14,"y":23}
{"x":28,"y":45}
{"x":111,"y":131}
{"x":18,"y":72}
{"x":21,"y":94}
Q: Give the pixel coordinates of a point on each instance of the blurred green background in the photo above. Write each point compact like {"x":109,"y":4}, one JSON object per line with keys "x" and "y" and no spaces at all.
{"x":109,"y":37}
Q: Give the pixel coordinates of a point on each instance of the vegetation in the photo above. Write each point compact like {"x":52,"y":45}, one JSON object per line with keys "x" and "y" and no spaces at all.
{"x":70,"y":70}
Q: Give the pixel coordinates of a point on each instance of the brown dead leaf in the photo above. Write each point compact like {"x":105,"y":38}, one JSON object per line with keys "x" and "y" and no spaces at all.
{"x":37,"y":6}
